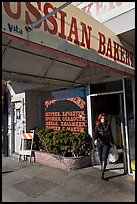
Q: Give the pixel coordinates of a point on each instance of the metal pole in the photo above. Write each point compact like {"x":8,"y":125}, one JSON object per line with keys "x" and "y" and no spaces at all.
{"x":123,"y":134}
{"x":32,"y":25}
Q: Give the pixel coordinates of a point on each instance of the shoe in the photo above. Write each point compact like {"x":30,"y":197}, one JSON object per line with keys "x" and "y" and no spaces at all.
{"x":105,"y":179}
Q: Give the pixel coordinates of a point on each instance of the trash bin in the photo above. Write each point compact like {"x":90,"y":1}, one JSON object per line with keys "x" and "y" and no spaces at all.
{"x":133,"y":169}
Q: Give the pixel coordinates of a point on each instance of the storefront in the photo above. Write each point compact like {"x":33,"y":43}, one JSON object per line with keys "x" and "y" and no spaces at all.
{"x":112,"y":98}
{"x":76,"y":63}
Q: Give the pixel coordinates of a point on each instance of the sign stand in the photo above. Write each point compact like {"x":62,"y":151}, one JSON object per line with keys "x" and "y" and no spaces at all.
{"x":24,"y":150}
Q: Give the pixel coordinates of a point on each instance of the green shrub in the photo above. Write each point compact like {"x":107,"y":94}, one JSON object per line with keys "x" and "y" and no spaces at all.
{"x":64,"y":142}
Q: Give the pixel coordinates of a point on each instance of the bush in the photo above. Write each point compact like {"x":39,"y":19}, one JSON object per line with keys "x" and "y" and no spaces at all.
{"x":63,"y":142}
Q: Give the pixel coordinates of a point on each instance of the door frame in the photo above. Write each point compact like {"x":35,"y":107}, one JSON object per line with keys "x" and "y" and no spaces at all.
{"x":123,"y":123}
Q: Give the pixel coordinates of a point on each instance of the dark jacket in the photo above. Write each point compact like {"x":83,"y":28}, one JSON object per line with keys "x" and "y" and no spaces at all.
{"x":103,"y":134}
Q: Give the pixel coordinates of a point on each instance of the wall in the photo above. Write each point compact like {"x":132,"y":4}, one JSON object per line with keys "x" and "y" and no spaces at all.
{"x":35,"y":109}
{"x":32,"y":110}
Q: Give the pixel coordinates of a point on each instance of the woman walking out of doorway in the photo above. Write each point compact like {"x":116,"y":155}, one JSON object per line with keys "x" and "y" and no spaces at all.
{"x":103,"y":139}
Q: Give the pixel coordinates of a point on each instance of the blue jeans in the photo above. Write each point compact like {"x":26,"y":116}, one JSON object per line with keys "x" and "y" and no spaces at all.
{"x":103,"y":151}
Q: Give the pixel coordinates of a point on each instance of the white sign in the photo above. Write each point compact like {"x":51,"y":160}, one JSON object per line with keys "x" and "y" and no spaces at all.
{"x":66,"y":28}
{"x":103,"y":11}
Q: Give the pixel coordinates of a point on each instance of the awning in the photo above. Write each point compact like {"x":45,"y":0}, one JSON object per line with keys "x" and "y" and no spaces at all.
{"x":50,"y":60}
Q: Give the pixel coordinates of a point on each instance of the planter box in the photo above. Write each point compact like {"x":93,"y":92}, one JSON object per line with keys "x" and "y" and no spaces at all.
{"x":66,"y":163}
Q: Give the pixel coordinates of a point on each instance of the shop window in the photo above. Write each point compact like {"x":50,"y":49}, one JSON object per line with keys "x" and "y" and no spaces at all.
{"x":67,"y":110}
{"x":106,"y":87}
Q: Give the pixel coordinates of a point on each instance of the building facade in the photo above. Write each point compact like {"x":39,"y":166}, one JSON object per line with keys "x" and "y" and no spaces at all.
{"x":67,"y":70}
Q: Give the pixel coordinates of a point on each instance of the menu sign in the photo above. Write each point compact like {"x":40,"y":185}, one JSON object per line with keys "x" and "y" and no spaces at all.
{"x":66,"y":113}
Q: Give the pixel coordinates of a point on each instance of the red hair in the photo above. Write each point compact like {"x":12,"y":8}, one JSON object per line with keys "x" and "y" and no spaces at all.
{"x":98,"y":121}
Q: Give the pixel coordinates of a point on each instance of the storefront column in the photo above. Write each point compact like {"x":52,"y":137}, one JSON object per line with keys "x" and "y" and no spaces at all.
{"x":126,"y":130}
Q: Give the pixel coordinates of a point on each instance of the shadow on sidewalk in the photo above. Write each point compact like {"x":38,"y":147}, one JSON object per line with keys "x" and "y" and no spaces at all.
{"x":110,"y":177}
{"x":107,"y":178}
{"x":5,"y":172}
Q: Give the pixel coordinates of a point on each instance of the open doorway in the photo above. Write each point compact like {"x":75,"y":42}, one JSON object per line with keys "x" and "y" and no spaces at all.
{"x":112,"y":105}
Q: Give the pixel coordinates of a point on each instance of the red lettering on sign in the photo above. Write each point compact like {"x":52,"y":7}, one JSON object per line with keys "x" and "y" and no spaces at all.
{"x":109,"y":49}
{"x":51,"y":24}
{"x":99,"y":7}
{"x":77,"y":100}
{"x":131,"y":59}
{"x":8,"y":10}
{"x":74,"y":31}
{"x":48,"y":103}
{"x":56,"y":25}
{"x":120,"y":54}
{"x":39,"y":5}
{"x":88,"y":9}
{"x":34,"y":12}
{"x":116,"y":48}
{"x":71,"y":120}
{"x":86,"y":35}
{"x":51,"y":19}
{"x":127,"y":57}
{"x":62,"y":33}
{"x":102,"y":48}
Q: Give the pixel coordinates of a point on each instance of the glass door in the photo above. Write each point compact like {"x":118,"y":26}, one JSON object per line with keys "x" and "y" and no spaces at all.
{"x":112,"y":105}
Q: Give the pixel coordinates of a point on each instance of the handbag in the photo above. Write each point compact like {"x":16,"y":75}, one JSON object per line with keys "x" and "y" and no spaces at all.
{"x":113,"y":154}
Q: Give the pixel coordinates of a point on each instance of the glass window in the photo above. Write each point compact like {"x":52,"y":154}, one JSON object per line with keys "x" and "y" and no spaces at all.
{"x":130,"y":117}
{"x":106,"y":87}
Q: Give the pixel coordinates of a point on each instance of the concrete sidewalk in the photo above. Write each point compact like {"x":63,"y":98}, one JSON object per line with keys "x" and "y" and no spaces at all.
{"x":24,"y":182}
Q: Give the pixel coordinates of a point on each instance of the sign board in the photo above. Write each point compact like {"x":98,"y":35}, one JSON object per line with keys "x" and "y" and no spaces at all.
{"x":66,"y":111}
{"x":70,"y":31}
{"x":103,"y":11}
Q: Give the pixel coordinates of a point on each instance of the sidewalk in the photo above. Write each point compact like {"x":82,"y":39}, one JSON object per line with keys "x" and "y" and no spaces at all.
{"x":24,"y":182}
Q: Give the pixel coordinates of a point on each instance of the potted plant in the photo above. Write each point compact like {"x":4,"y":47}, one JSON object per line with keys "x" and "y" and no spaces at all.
{"x":65,"y":146}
